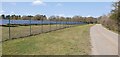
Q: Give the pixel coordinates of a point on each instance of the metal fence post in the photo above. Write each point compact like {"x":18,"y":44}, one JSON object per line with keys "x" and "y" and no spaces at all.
{"x":66,"y":23}
{"x":42,"y":26}
{"x":56,"y":24}
{"x":30,"y":26}
{"x":63,"y":24}
{"x":9,"y":30}
{"x":50,"y":25}
{"x":69,"y":22}
{"x":60,"y":23}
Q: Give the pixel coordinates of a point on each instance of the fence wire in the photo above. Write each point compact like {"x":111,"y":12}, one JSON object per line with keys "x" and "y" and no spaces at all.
{"x":15,"y":29}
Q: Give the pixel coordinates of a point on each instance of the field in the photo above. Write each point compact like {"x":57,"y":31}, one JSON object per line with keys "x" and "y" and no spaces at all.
{"x":69,"y":41}
{"x":23,"y":31}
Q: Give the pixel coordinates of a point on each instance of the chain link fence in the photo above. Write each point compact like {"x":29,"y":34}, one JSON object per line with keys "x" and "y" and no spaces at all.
{"x":14,"y":29}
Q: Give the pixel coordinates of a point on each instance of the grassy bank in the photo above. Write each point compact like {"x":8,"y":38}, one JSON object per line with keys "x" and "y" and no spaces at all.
{"x":74,"y":41}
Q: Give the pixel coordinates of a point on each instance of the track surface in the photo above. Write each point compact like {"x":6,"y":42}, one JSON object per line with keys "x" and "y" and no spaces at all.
{"x":104,"y":42}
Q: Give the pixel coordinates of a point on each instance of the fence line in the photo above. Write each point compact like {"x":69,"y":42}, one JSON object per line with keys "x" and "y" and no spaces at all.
{"x":16,"y":30}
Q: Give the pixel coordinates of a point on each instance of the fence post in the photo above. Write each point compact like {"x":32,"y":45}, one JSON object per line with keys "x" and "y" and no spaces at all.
{"x":66,"y":23}
{"x":60,"y":23}
{"x":30,"y":26}
{"x":50,"y":25}
{"x":56,"y":24}
{"x":42,"y":26}
{"x":69,"y":22}
{"x":9,"y":30}
{"x":63,"y":24}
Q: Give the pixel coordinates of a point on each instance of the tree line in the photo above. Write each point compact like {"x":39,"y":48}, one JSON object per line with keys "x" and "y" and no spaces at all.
{"x":51,"y":18}
{"x":24,"y":17}
{"x":112,"y":20}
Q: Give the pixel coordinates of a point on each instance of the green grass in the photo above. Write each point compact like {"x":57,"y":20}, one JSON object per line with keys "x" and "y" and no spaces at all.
{"x":70,"y":41}
{"x":22,"y":31}
{"x":0,"y":42}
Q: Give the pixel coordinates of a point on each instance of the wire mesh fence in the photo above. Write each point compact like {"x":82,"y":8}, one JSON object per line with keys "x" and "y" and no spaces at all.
{"x":13,"y":29}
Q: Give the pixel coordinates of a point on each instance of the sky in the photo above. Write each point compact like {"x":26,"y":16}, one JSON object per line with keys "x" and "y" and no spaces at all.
{"x":69,"y":9}
{"x":60,"y":0}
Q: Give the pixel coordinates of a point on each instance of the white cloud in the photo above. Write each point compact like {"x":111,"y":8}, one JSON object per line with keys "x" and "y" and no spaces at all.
{"x":13,"y":3}
{"x":90,"y":16}
{"x":2,"y":12}
{"x":12,"y":12}
{"x":59,"y":4}
{"x":38,"y":2}
{"x":96,"y":16}
{"x":59,"y":14}
{"x":63,"y":15}
{"x":87,"y":16}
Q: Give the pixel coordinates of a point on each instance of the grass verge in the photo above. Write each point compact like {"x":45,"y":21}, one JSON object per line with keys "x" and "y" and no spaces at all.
{"x":70,"y":41}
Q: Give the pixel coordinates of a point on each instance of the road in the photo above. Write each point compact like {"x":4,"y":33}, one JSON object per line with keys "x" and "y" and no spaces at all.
{"x":104,"y":42}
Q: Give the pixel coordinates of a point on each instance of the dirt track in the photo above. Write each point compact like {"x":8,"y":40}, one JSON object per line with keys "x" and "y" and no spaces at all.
{"x":104,"y":42}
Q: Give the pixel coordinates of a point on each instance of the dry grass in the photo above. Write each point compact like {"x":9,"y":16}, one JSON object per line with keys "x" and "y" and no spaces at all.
{"x":70,"y":41}
{"x":22,"y":31}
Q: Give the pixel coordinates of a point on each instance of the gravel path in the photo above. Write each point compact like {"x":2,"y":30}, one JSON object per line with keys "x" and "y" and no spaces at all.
{"x":104,"y":42}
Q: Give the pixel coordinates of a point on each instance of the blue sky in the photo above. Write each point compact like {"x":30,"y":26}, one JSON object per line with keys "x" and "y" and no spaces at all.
{"x":57,"y":8}
{"x":60,"y":0}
